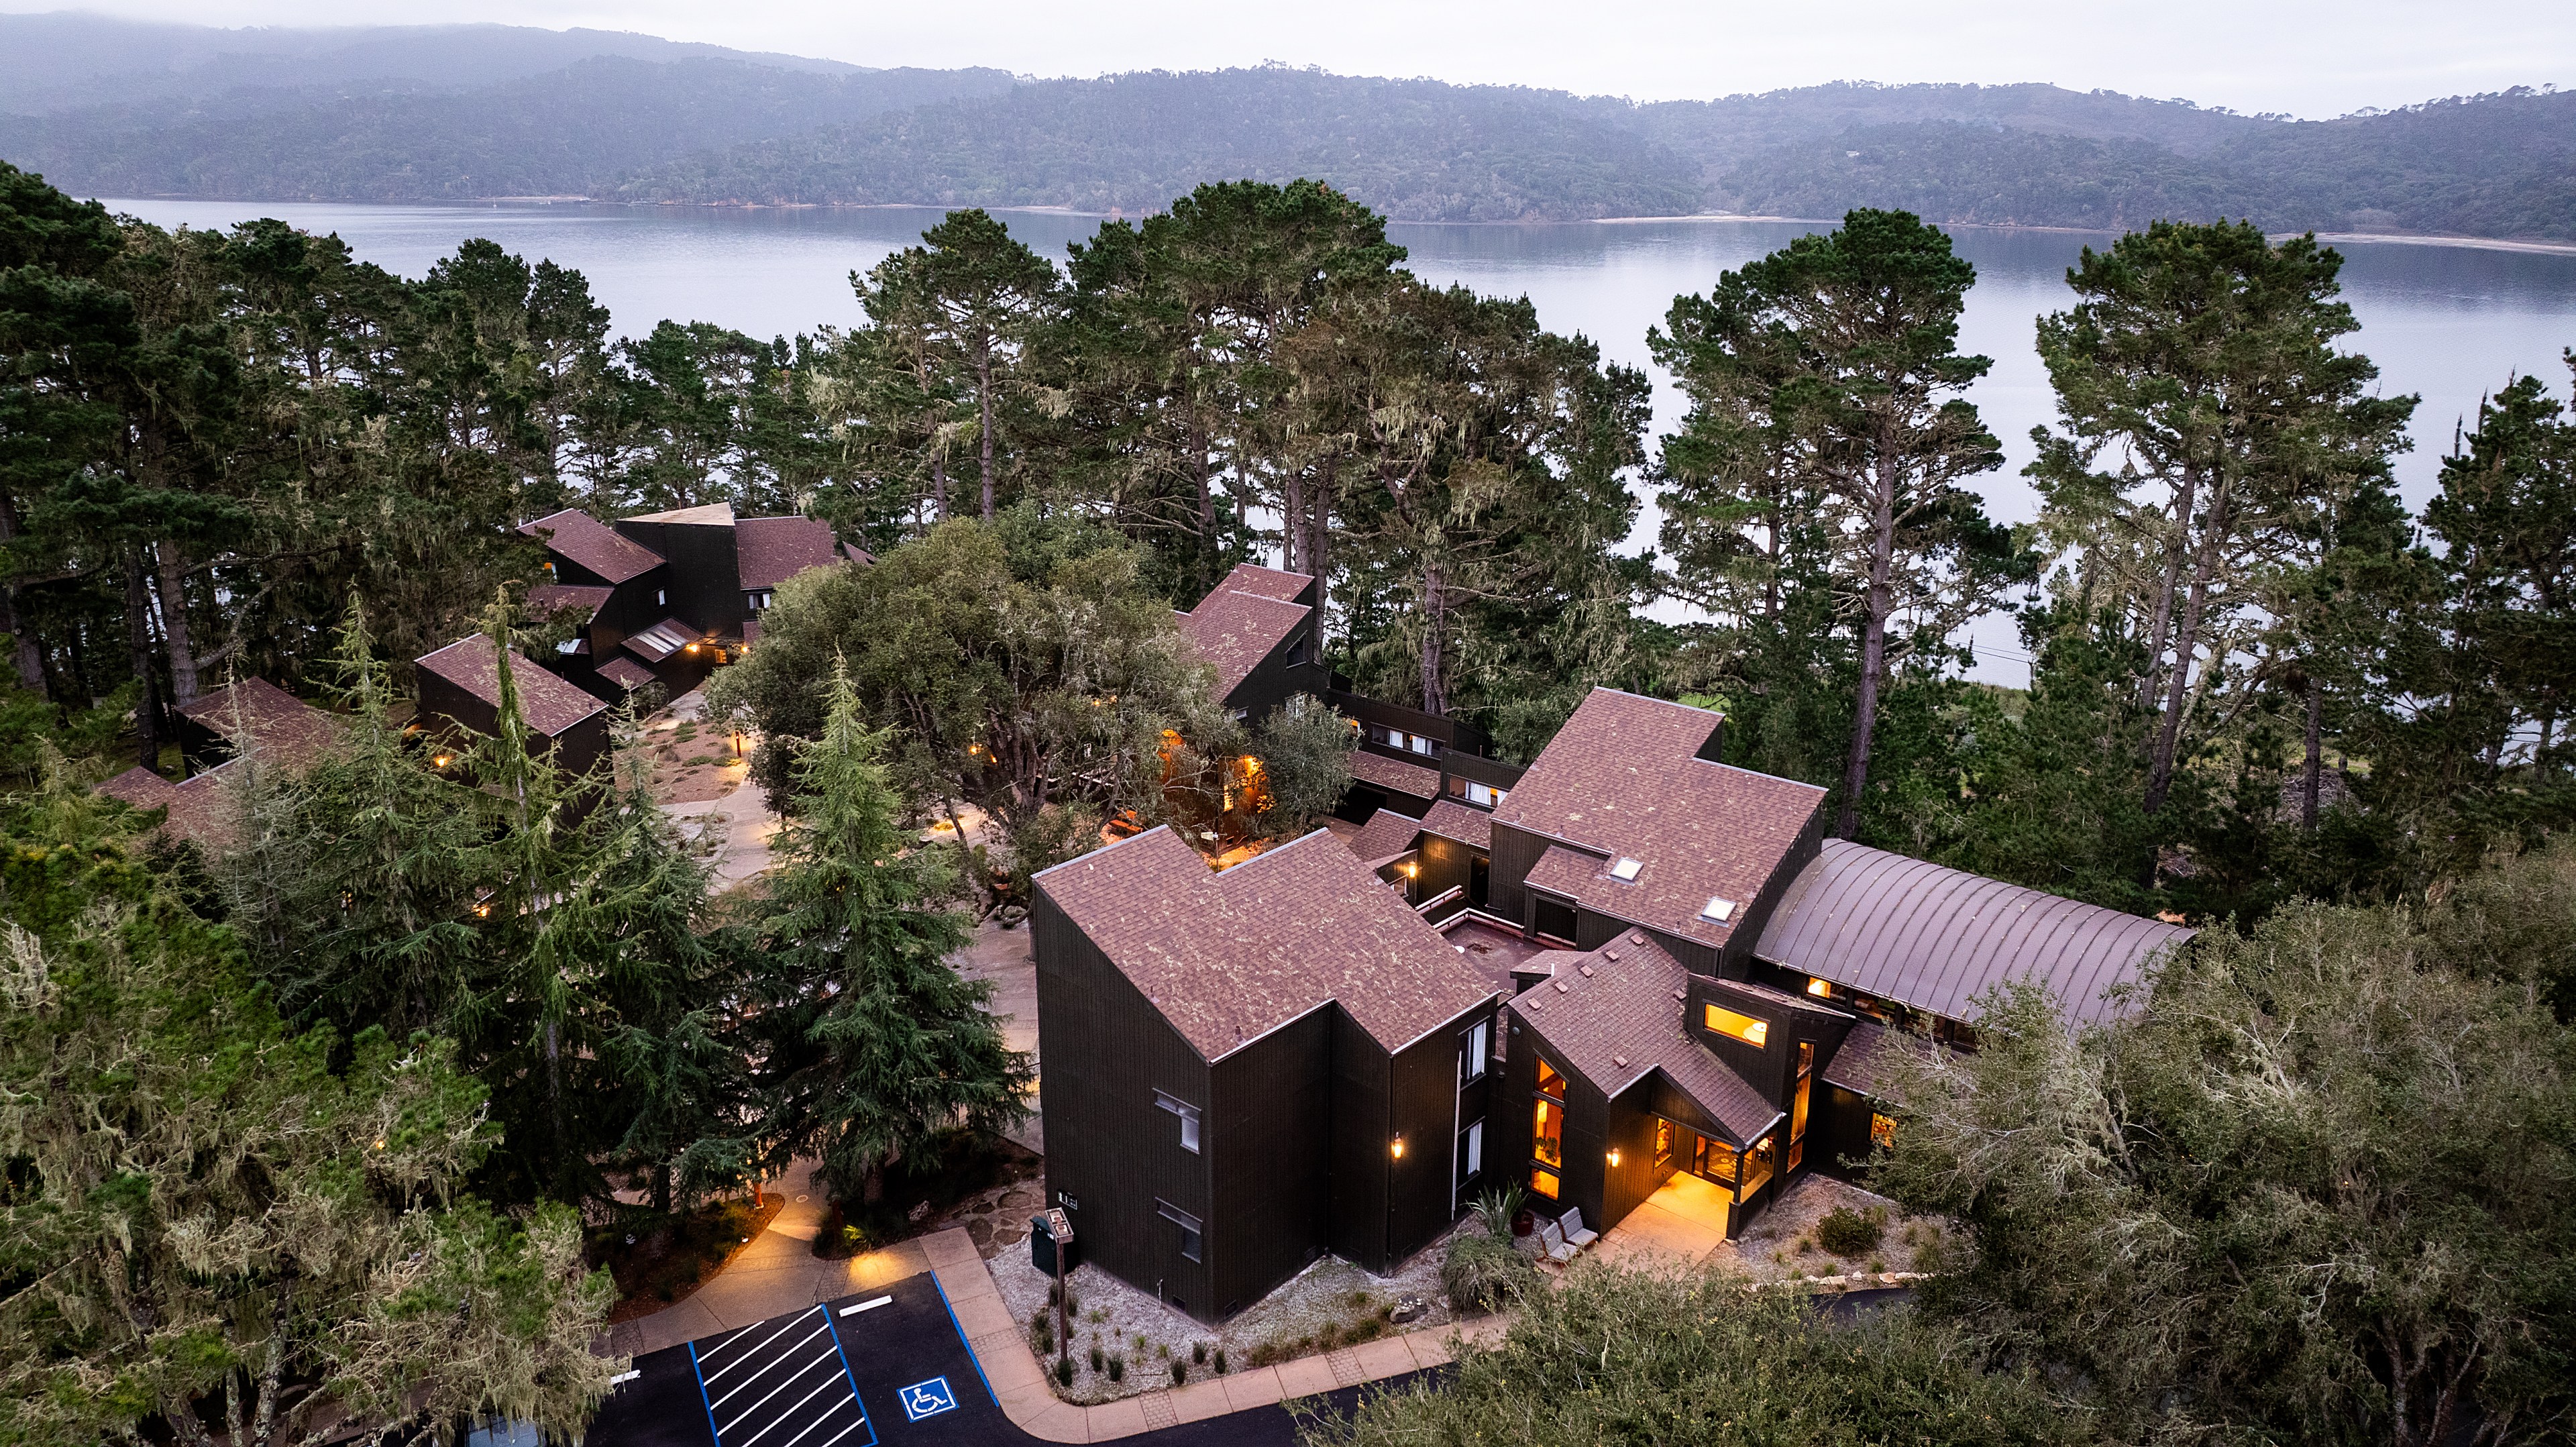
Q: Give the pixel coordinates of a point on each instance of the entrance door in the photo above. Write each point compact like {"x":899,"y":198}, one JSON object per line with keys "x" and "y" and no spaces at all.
{"x":1479,"y":870}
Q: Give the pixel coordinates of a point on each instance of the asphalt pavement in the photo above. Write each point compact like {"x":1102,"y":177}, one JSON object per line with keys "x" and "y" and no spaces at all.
{"x":884,"y":1366}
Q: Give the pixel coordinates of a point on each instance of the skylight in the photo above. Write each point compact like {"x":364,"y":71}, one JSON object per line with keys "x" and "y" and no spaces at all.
{"x":1719,"y":910}
{"x":1625,"y":871}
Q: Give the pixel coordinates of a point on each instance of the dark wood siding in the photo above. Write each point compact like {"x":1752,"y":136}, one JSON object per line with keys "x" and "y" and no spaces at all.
{"x":1106,"y":1050}
{"x":1421,"y":1195}
{"x":706,"y":577}
{"x":1363,"y":1131}
{"x":1515,"y":854}
{"x":1270,"y":1139}
{"x":1445,"y":863}
{"x":1838,"y":1132}
{"x":1629,"y":1128}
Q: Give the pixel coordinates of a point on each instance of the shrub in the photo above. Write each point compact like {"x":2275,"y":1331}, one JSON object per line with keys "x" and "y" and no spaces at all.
{"x":1097,"y":1360}
{"x":1180,"y":1371}
{"x":1496,"y":1208}
{"x":1117,"y":1369}
{"x":1846,"y":1232}
{"x":1064,"y":1370}
{"x":1198,"y":1352}
{"x":1220,"y":1361}
{"x":1481,"y":1273}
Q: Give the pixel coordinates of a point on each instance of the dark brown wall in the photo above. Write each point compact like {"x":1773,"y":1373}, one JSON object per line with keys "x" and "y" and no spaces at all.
{"x":706,"y":576}
{"x":1493,"y":772}
{"x":1426,"y":1109}
{"x":1269,"y":1129}
{"x":1589,"y":1128}
{"x":1630,"y":1127}
{"x":1838,"y":1132}
{"x":1106,"y":1050}
{"x":1448,"y":733}
{"x":1515,"y":854}
{"x":1445,"y":863}
{"x":1363,"y":1130}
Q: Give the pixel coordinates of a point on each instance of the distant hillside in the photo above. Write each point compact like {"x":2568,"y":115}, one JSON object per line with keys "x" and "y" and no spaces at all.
{"x":1416,"y":149}
{"x":570,"y":132}
{"x":457,"y":112}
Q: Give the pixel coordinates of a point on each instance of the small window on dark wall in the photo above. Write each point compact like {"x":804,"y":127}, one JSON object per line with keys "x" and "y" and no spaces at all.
{"x":1192,"y":1244}
{"x":1474,"y":1049}
{"x":1189,"y":1115}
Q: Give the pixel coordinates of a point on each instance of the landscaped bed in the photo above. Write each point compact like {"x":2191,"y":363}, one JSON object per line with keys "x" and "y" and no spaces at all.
{"x":1330,"y":1304}
{"x":660,"y":1260}
{"x":1794,"y":1240}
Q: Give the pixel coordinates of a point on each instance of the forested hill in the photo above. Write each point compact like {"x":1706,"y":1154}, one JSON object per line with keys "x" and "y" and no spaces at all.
{"x":455,"y":112}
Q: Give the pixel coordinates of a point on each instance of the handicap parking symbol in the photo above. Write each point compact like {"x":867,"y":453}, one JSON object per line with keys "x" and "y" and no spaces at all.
{"x":927,"y":1399}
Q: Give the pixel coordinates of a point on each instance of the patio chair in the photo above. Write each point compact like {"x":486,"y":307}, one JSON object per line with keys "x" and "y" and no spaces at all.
{"x":1575,"y":1236}
{"x":1551,"y":1239}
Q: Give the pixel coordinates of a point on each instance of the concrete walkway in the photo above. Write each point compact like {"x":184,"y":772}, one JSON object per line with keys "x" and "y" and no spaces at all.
{"x":1684,"y":1221}
{"x":1019,"y":1380}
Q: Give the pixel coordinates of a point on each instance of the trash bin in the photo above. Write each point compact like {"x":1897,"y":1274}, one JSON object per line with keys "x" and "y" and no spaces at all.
{"x":1045,"y":1230}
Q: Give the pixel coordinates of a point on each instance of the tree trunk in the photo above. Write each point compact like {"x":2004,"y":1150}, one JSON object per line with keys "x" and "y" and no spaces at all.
{"x":1319,"y":539}
{"x":554,"y":1087}
{"x":2160,"y":768}
{"x":1435,"y":699}
{"x":149,"y":725}
{"x":984,"y":427}
{"x":938,"y":483}
{"x":1292,"y":533}
{"x":171,"y":573}
{"x":2314,"y":771}
{"x":1207,"y":501}
{"x":25,"y":655}
{"x":2175,"y":546}
{"x":1873,"y":641}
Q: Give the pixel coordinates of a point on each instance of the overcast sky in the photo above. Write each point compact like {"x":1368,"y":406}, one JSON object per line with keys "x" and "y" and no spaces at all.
{"x":2300,"y":56}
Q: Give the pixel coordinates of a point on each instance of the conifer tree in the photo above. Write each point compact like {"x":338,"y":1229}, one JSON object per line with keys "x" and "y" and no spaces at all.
{"x":872,"y":1046}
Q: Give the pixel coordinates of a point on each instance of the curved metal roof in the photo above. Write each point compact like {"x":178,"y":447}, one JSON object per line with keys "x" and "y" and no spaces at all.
{"x":1935,"y":939}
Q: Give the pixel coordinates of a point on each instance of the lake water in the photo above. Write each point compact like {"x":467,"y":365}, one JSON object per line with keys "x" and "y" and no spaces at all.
{"x":2448,"y":323}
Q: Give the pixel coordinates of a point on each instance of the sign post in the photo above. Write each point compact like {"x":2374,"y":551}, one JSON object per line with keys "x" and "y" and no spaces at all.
{"x":1060,"y":1227}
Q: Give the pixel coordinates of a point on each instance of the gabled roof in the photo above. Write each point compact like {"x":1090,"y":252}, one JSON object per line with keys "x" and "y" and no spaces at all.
{"x":252,"y":714}
{"x":1395,"y":774}
{"x":583,"y":539}
{"x":1617,"y":1013}
{"x":769,"y":551}
{"x":550,"y":705}
{"x":1242,"y":619}
{"x":1934,"y":939}
{"x":1471,"y":827}
{"x":625,"y":672}
{"x":1623,"y":779}
{"x":1863,"y":1064}
{"x":1228,"y":958}
{"x":1387,"y":835}
{"x":549,"y":598}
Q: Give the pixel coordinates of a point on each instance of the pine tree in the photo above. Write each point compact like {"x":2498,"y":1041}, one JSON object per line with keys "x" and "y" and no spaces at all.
{"x":872,"y":1046}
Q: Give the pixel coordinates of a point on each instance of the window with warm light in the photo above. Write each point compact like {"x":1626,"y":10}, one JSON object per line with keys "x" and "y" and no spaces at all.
{"x":1544,"y":1183}
{"x":1755,"y":1169}
{"x":1663,"y":1142}
{"x":1736,"y":1026}
{"x":1547,"y":1132}
{"x":1549,"y":1082}
{"x":1821,"y":989}
{"x":1882,"y":1131}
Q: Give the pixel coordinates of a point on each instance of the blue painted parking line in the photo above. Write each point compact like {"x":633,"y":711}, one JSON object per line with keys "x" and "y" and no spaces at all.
{"x":927,"y":1399}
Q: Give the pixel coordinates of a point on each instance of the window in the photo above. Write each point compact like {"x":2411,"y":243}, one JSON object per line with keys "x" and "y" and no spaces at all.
{"x":1719,"y":910}
{"x":1821,"y":989}
{"x":1418,"y":744}
{"x":1798,"y":1098}
{"x":1543,"y":1183}
{"x":1487,"y":795}
{"x":1714,"y":1159}
{"x":1192,"y":1244}
{"x":1723,"y":1021}
{"x":1756,"y":1169}
{"x":1474,"y":1048}
{"x":1189,"y":1115}
{"x":1626,"y":870}
{"x":1547,"y":1132}
{"x":1882,"y":1131}
{"x":1549,"y":1082}
{"x":1471,"y":1152}
{"x":758,"y":600}
{"x":1663,"y":1142}
{"x":661,"y":597}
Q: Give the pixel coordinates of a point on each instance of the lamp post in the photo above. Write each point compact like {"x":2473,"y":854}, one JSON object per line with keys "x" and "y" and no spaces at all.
{"x":1059,"y":1227}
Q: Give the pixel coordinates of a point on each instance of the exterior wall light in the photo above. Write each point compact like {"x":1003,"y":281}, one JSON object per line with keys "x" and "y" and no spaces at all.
{"x":1397,"y":1149}
{"x":442,"y":761}
{"x":1614,"y":1158}
{"x":693,"y":648}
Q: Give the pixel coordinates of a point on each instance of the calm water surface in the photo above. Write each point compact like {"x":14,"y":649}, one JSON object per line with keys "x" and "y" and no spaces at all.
{"x":2447,"y":323}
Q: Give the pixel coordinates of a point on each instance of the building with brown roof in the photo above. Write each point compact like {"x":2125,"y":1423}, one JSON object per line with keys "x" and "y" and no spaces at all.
{"x":1257,"y":629}
{"x":667,"y":597}
{"x":1248,"y":1069}
{"x":460,"y":686}
{"x":220,"y":730}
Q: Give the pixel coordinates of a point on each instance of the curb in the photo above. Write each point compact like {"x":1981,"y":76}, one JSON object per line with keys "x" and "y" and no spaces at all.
{"x":1019,"y":1382}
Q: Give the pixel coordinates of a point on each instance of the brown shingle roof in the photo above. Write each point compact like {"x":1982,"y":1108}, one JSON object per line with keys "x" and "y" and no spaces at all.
{"x":1230,"y":957}
{"x":546,"y":599}
{"x":593,"y":544}
{"x":1862,"y":1062}
{"x":1395,"y":774}
{"x":1622,"y":778}
{"x":294,"y":732}
{"x":625,"y":672}
{"x":1471,"y":827}
{"x":1242,"y":619}
{"x":1625,"y":1018}
{"x":550,"y":705}
{"x":1386,"y":835}
{"x":1936,"y":938}
{"x":769,"y":551}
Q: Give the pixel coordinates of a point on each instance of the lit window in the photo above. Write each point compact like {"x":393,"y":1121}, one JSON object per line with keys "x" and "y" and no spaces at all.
{"x":1473,"y":1049}
{"x":1626,"y":870}
{"x":1882,"y":1130}
{"x":1720,"y":910}
{"x":1549,"y":1082}
{"x":1471,"y":1152}
{"x":661,"y":597}
{"x":1543,"y":1182}
{"x":1820,"y":989}
{"x":1724,"y":1021}
{"x":1189,"y":1115}
{"x":1547,"y":1132}
{"x":1419,"y":744}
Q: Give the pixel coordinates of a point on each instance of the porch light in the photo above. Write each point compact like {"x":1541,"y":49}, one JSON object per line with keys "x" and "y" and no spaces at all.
{"x":1614,"y":1157}
{"x":1411,"y":870}
{"x":693,"y":648}
{"x":442,"y":761}
{"x":1397,"y":1149}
